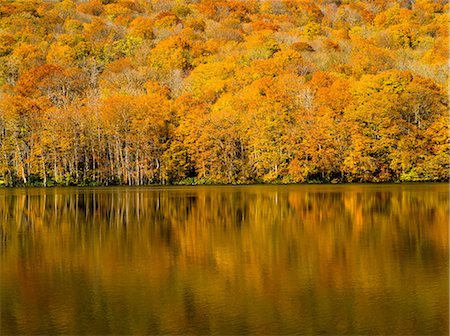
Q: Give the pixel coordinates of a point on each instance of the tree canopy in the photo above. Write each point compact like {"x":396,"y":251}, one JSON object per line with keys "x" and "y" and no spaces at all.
{"x":231,"y":91}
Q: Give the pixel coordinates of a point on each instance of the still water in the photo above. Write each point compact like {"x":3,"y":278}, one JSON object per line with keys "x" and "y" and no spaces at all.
{"x":345,"y":259}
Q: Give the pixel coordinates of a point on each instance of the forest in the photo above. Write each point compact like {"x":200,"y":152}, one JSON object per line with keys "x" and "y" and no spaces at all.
{"x":136,"y":92}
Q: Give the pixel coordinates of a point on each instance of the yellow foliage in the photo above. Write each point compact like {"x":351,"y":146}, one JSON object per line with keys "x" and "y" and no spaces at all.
{"x":60,"y":54}
{"x":228,"y":91}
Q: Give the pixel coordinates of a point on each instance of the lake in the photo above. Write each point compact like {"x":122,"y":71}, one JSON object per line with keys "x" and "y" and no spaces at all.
{"x":297,"y":259}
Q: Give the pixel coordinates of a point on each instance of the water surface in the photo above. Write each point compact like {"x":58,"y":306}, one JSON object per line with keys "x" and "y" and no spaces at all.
{"x":345,"y":259}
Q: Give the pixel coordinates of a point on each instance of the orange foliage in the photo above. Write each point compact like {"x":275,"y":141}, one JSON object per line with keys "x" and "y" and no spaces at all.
{"x":223,"y":91}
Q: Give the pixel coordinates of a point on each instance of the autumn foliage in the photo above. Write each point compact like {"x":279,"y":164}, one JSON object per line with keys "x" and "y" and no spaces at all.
{"x":138,"y":92}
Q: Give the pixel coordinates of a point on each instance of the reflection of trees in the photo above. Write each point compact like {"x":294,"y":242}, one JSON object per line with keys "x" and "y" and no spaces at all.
{"x":164,"y":258}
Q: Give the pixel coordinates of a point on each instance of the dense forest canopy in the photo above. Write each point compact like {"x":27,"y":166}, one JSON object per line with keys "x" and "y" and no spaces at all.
{"x":227,"y":91}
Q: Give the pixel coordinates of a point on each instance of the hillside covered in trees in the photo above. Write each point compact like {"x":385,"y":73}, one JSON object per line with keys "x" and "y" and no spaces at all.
{"x":201,"y":91}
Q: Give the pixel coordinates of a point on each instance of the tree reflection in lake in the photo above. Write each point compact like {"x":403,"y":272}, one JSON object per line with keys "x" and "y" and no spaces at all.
{"x":351,"y":259}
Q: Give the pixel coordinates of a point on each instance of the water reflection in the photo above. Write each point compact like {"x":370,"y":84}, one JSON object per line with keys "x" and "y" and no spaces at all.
{"x":229,"y":260}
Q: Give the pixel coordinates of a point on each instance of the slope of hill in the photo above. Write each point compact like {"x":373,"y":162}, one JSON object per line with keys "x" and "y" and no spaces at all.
{"x":137,"y":92}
